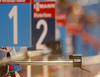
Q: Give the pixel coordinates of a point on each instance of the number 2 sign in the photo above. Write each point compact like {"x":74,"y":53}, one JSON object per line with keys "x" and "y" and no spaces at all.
{"x":15,"y":22}
{"x":43,"y":24}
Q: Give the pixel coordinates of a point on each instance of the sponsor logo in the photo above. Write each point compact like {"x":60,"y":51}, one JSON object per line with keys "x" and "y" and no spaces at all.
{"x":39,"y":6}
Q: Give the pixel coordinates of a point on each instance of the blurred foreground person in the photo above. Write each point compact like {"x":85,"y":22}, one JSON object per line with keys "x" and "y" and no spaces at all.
{"x":62,"y":5}
{"x":76,"y":13}
{"x":78,"y":21}
{"x":8,"y":70}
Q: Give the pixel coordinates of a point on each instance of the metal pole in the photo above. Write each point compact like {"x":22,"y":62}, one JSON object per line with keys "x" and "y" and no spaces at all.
{"x":45,"y":67}
{"x":43,"y":62}
{"x":29,"y":69}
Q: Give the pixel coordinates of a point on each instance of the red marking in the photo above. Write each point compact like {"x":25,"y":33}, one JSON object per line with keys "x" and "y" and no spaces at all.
{"x":90,"y":39}
{"x":11,"y":67}
{"x":61,"y":19}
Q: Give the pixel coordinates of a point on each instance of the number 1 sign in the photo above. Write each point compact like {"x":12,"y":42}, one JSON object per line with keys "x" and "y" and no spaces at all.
{"x":44,"y":24}
{"x":13,"y":13}
{"x":15,"y":22}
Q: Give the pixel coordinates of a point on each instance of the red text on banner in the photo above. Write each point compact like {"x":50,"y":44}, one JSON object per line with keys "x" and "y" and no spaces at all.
{"x":44,"y":10}
{"x":61,"y":19}
{"x":15,"y":1}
